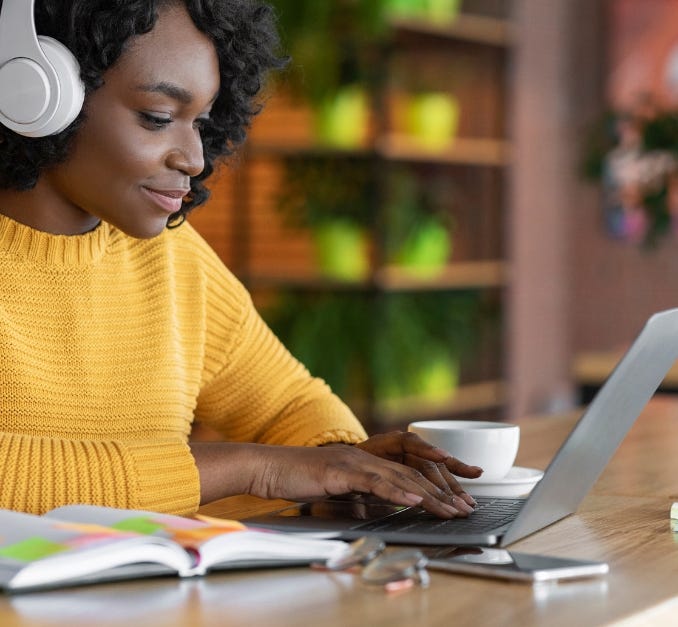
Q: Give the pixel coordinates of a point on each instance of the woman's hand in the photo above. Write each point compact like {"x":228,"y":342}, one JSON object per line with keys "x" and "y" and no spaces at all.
{"x":306,"y":473}
{"x":435,"y":464}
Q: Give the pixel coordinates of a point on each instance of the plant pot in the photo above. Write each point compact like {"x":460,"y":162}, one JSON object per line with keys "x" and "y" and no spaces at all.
{"x":438,"y":379}
{"x":406,"y":8}
{"x":442,"y":11}
{"x":342,"y":119}
{"x":439,"y":11}
{"x":426,"y":250}
{"x":432,"y":119}
{"x":342,"y":250}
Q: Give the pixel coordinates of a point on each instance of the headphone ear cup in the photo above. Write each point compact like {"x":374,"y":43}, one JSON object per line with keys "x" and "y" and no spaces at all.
{"x":72,"y":90}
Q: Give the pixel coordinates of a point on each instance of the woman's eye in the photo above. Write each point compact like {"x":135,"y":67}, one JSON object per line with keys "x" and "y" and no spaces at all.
{"x":154,"y":121}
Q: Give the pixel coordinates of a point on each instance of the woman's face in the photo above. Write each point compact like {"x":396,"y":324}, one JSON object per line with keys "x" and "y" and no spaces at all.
{"x":140,"y":142}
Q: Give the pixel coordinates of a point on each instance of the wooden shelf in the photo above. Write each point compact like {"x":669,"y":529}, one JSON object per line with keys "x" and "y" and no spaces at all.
{"x":303,"y":147}
{"x":470,"y":28}
{"x":460,"y":151}
{"x":398,"y":147}
{"x":592,"y":369}
{"x":311,"y":280}
{"x":467,"y":398}
{"x":476,"y":274}
{"x":472,"y":274}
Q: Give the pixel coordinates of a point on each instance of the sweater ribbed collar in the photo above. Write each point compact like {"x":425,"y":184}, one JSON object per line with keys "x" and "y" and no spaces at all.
{"x":40,"y":247}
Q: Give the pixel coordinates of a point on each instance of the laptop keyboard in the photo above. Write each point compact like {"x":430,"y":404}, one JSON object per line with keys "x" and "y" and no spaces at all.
{"x":490,"y":514}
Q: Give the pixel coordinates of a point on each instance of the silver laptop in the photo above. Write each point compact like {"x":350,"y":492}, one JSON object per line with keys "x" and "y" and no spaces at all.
{"x":501,"y":521}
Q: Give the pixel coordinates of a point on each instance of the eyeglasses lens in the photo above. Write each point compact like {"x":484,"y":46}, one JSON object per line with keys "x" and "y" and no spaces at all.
{"x":359,"y":553}
{"x":408,"y":564}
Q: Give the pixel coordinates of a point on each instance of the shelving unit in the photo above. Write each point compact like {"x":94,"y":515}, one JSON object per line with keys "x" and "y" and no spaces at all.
{"x":486,"y":396}
{"x":398,"y":147}
{"x":471,"y":152}
{"x":271,"y":259}
{"x":473,"y":274}
{"x":591,"y":369}
{"x":477,"y":29}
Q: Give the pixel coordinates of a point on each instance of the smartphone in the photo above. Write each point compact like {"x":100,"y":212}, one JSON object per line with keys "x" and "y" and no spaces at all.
{"x":502,"y":564}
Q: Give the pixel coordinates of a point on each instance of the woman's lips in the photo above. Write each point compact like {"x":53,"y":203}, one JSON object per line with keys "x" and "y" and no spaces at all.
{"x":169,"y":200}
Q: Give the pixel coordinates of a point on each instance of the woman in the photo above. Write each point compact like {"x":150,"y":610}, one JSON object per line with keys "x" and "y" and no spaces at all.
{"x":117,"y":332}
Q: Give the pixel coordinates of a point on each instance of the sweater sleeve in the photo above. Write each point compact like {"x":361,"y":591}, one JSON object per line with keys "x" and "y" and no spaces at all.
{"x":263,"y":394}
{"x":40,"y":473}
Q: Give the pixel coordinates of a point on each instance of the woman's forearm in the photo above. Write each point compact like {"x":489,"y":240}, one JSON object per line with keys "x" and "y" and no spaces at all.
{"x":302,"y":473}
{"x":225,"y":468}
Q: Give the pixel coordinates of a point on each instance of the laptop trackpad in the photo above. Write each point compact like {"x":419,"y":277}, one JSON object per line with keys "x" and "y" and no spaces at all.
{"x":335,"y":513}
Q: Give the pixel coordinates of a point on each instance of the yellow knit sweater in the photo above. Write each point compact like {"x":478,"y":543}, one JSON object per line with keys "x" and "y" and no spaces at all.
{"x":110,"y":347}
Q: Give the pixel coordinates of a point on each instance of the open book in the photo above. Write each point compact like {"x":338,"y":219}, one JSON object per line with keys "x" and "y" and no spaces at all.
{"x":79,"y":544}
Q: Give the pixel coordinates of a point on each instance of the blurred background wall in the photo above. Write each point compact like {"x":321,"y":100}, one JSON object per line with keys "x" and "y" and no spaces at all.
{"x":433,"y":210}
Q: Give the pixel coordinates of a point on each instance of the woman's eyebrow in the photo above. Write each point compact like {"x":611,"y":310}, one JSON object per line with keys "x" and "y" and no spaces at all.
{"x":169,"y":89}
{"x":172,"y":90}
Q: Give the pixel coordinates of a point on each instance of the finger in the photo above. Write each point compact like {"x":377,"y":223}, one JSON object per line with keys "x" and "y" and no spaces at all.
{"x":452,"y":482}
{"x":358,"y":470}
{"x":456,"y":487}
{"x":417,"y":497}
{"x":439,"y":475}
{"x":396,"y":483}
{"x":459,"y":468}
{"x":404,"y":486}
{"x":444,"y":479}
{"x":430,"y":470}
{"x":442,"y":495}
{"x":412,"y":444}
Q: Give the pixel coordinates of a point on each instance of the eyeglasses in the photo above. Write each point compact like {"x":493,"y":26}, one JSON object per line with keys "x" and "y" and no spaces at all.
{"x":394,"y":571}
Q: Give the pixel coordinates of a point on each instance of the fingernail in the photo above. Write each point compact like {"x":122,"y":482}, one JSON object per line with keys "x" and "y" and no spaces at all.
{"x":469,"y":499}
{"x":461,"y":504}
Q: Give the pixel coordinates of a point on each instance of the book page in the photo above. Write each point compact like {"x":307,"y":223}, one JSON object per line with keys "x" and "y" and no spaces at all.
{"x":38,"y":551}
{"x":190,"y":533}
{"x":214,"y":542}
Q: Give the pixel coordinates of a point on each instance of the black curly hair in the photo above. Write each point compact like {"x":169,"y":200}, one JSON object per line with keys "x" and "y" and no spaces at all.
{"x":97,"y":31}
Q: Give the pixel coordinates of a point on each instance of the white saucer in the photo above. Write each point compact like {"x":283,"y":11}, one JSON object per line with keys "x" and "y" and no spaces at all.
{"x":518,"y":482}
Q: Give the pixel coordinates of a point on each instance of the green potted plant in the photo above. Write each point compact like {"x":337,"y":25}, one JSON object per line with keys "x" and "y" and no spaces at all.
{"x":434,"y":10}
{"x":329,"y":333}
{"x":389,"y":348}
{"x":335,"y":200}
{"x":419,"y":226}
{"x":421,"y":340}
{"x":432,"y":118}
{"x":331,"y":45}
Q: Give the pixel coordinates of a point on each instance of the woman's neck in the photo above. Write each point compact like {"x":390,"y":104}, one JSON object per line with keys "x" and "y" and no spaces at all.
{"x":41,"y":211}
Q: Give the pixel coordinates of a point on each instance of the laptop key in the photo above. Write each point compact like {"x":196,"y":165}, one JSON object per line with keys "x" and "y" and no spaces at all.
{"x":490,"y":514}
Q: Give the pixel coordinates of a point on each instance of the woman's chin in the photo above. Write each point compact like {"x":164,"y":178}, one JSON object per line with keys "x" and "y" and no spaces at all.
{"x":146,"y":230}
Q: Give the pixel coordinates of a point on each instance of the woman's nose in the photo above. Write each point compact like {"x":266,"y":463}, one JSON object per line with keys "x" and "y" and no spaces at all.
{"x":187,"y":155}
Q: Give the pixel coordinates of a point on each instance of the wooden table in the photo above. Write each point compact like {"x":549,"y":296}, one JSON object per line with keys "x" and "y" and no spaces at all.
{"x":624,"y":521}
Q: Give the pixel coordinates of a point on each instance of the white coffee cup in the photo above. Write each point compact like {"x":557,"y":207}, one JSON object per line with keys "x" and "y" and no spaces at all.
{"x":491,"y":445}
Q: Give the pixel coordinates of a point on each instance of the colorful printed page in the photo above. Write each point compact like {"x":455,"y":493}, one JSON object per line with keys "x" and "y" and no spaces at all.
{"x":191,"y":533}
{"x":36,"y":551}
{"x":214,"y":542}
{"x":26,"y":538}
{"x":83,"y":543}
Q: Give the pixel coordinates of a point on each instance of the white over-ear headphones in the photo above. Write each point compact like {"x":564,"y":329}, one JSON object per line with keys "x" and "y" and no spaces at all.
{"x":40,"y":88}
